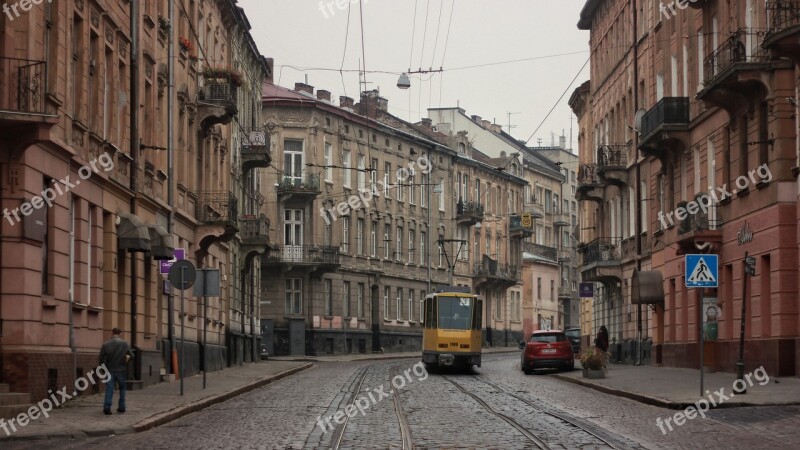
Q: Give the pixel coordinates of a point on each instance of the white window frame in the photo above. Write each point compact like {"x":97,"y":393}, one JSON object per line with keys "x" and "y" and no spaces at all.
{"x":362,"y":172}
{"x":293,"y":287}
{"x":346,"y":168}
{"x":422,"y":239}
{"x":360,"y":300}
{"x":411,"y":236}
{"x":410,"y":305}
{"x":387,"y":241}
{"x":373,"y":240}
{"x":328,"y":297}
{"x":328,"y":162}
{"x":399,"y":304}
{"x":345,"y":234}
{"x":346,"y":299}
{"x":386,"y":294}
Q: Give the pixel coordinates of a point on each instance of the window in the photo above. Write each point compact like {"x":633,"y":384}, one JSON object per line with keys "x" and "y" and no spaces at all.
{"x":552,"y":290}
{"x":346,"y":167}
{"x":477,"y":189}
{"x":373,"y":176}
{"x":423,"y":191}
{"x":410,"y":305}
{"x":328,"y":297}
{"x":46,"y":287}
{"x":411,"y":235}
{"x":399,"y":304}
{"x":539,"y":288}
{"x":346,"y":299}
{"x":328,"y":162}
{"x":345,"y":235}
{"x":399,"y":252}
{"x":387,"y":242}
{"x":441,"y":194}
{"x":387,"y":169}
{"x":362,"y":172}
{"x":421,"y":307}
{"x":294,"y":296}
{"x":399,"y":186}
{"x":440,"y":243}
{"x":293,"y":162}
{"x":360,"y":300}
{"x":386,"y":303}
{"x":498,"y":307}
{"x":423,"y":238}
{"x":411,"y":197}
{"x":360,"y":237}
{"x":373,"y":241}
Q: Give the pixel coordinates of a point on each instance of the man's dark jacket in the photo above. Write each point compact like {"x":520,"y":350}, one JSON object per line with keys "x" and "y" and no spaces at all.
{"x":113,"y":354}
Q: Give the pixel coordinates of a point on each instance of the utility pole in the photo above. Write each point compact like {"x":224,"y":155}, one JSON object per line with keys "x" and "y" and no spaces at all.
{"x":637,"y":188}
{"x":509,"y":121}
{"x":749,"y":270}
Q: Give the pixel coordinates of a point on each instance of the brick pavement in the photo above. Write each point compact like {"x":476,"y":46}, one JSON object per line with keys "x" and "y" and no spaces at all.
{"x":678,"y":388}
{"x":154,"y":405}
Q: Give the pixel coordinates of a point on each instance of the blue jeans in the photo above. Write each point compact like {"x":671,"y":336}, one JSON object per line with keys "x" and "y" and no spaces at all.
{"x":119,"y":380}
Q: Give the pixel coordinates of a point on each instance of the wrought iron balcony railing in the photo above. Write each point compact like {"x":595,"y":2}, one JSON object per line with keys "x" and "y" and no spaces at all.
{"x":536,"y":210}
{"x":309,"y":183}
{"x":303,"y":254}
{"x":782,"y":14}
{"x":668,"y":111}
{"x":612,"y":156}
{"x":587,"y":175}
{"x":255,"y":148}
{"x":22,"y":85}
{"x":520,"y":223}
{"x":472,"y":211}
{"x":217,"y":208}
{"x":544,"y":251}
{"x":491,"y":269}
{"x":602,"y":250}
{"x":743,"y":46}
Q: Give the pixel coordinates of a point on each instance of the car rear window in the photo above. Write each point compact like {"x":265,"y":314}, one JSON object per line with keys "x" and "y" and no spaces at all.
{"x":549,"y":337}
{"x":573,"y":333}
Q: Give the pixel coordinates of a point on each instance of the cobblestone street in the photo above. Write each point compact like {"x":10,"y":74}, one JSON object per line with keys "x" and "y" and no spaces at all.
{"x":496,"y":406}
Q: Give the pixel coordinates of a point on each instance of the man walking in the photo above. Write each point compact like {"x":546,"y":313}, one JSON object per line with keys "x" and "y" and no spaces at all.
{"x":115,"y":354}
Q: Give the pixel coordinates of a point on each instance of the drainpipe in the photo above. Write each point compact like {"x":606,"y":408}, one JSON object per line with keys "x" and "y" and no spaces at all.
{"x":170,"y":174}
{"x":637,"y":188}
{"x":72,"y":284}
{"x":134,"y":74}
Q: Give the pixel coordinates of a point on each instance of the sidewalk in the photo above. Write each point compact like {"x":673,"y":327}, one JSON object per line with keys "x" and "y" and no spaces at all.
{"x":154,"y":405}
{"x":677,"y":388}
{"x":377,"y":356}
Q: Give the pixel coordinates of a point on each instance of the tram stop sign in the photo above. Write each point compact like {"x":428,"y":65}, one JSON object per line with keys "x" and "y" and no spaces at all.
{"x":188,"y":277}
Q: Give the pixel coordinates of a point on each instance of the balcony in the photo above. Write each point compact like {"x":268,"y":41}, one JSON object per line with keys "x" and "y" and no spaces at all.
{"x":665,"y":128}
{"x":541,"y":251}
{"x":561,"y":219}
{"x":217,"y":99}
{"x":469,"y":213}
{"x":23,"y":102}
{"x":733,"y":71}
{"x":601,"y":260}
{"x":590,"y":187}
{"x":612,"y":163}
{"x":520,"y":226}
{"x":783,"y":33}
{"x":564,"y":255}
{"x":314,"y":259}
{"x":217,"y":212}
{"x":489,"y":274}
{"x":564,"y":292}
{"x":255,"y":149}
{"x":299,"y":187}
{"x":536,"y":210}
{"x":697,"y":228}
{"x":255,"y":236}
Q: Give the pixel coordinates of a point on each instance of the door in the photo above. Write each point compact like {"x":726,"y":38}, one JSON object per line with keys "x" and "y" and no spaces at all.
{"x":293,"y":235}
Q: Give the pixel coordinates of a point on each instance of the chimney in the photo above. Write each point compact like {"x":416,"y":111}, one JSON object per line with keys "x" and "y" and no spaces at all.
{"x":270,"y":70}
{"x":304,"y":88}
{"x":371,"y":103}
{"x":324,"y":95}
{"x":476,"y":119}
{"x":497,"y":128}
{"x":502,"y":153}
{"x":427,"y":123}
{"x":562,"y":142}
{"x":486,"y":124}
{"x":346,"y":102}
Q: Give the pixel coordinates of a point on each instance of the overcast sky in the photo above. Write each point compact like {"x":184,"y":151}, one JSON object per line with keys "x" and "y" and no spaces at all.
{"x":311,"y":34}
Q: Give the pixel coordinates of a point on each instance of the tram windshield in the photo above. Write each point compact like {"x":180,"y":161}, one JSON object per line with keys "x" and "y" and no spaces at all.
{"x":455,"y":313}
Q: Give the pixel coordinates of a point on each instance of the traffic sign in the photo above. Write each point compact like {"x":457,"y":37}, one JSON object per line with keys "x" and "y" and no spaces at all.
{"x":750,"y":265}
{"x":702,"y":271}
{"x":177,"y":255}
{"x":182,"y":275}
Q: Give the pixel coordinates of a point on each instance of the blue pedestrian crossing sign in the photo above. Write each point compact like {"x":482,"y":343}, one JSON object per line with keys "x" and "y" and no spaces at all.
{"x":702,"y":271}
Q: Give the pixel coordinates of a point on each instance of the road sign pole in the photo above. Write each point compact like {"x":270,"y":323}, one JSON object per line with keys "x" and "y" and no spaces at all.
{"x":205,"y":328}
{"x":183,"y":353}
{"x":702,"y":342}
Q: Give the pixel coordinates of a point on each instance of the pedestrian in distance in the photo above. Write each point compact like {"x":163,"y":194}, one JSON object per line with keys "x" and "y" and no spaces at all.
{"x":601,"y":343}
{"x":115,"y":354}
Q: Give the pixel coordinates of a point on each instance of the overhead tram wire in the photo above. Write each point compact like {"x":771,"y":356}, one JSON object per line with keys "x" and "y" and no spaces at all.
{"x":344,"y":53}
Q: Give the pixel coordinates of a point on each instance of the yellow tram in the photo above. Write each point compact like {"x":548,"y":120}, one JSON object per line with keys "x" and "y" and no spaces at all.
{"x":452,"y":330}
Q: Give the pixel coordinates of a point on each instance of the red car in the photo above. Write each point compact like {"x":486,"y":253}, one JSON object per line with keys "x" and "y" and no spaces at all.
{"x":547,"y":349}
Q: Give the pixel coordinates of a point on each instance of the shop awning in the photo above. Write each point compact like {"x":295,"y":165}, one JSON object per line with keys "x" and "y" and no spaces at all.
{"x":161,"y":246}
{"x":647,"y":287}
{"x":132,"y":234}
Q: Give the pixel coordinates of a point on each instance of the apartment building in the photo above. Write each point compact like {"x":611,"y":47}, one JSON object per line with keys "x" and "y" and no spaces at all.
{"x":88,"y":259}
{"x":718,"y":100}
